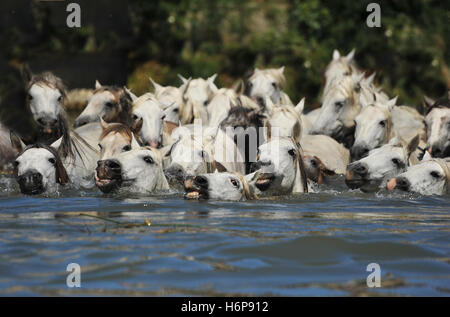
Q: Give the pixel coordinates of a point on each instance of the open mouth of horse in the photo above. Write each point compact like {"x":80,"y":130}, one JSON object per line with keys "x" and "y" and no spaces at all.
{"x":194,"y":191}
{"x":264,"y":181}
{"x":108,"y":182}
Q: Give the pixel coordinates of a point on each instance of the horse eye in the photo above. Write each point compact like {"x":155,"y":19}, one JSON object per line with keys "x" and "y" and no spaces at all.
{"x":338,"y":104}
{"x":292,"y":152}
{"x":314,"y":163}
{"x":135,"y":117}
{"x":175,"y":110}
{"x":274,"y":85}
{"x":435,"y":174}
{"x":148,"y":159}
{"x":59,"y":98}
{"x":52,"y":160}
{"x":163,"y":117}
{"x":203,"y":154}
{"x":234,"y":182}
{"x":16,"y":163}
{"x":126,"y":148}
{"x":100,"y":146}
{"x":396,"y":161}
{"x":205,"y":103}
{"x":382,"y":123}
{"x":109,"y":104}
{"x":30,"y":97}
{"x":347,"y":74}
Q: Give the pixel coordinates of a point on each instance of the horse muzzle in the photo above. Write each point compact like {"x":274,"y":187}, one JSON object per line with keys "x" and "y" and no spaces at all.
{"x":196,"y":187}
{"x":48,"y":125}
{"x":31,"y":183}
{"x":108,"y":175}
{"x":356,"y":175}
{"x":398,"y":183}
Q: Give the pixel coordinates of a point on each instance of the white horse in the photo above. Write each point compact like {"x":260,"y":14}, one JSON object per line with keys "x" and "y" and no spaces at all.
{"x":372,"y":172}
{"x":7,"y":154}
{"x":149,"y":112}
{"x":280,"y":168}
{"x":267,"y":83}
{"x":169,"y":98}
{"x":219,"y":186}
{"x":285,"y":120}
{"x":373,"y":128}
{"x":339,"y":67}
{"x":196,"y":94}
{"x":40,"y":168}
{"x":340,"y":107}
{"x":46,"y":95}
{"x":116,"y":138}
{"x":111,"y":103}
{"x":138,"y":170}
{"x":430,"y":177}
{"x":437,"y":121}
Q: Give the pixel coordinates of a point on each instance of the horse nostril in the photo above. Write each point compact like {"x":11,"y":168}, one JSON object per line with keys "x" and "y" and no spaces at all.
{"x":436,"y":151}
{"x":361,"y":169}
{"x":112,"y":164}
{"x":37,"y":177}
{"x":402,"y":183}
{"x":201,"y":180}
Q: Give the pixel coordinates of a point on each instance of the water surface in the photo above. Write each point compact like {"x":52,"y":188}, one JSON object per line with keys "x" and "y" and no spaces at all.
{"x":313,"y":245}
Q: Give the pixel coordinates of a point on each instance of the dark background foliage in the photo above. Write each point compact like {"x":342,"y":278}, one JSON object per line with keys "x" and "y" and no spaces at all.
{"x":124,"y":42}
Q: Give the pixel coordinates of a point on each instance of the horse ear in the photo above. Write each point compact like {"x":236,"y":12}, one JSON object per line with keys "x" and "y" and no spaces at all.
{"x":137,"y":126}
{"x":61,"y":173}
{"x":16,"y":142}
{"x":336,"y":55}
{"x":427,"y":102}
{"x":350,"y":55}
{"x":220,"y":168}
{"x":212,"y":78}
{"x":281,"y":70}
{"x":300,"y":106}
{"x":169,"y":127}
{"x":239,"y":87}
{"x":103,"y":123}
{"x":184,"y":80}
{"x":130,"y":94}
{"x":211,"y":84}
{"x":156,"y":86}
{"x":134,"y":143}
{"x":26,"y":73}
{"x":369,"y":80}
{"x":97,"y":84}
{"x":391,"y":103}
{"x":413,"y":144}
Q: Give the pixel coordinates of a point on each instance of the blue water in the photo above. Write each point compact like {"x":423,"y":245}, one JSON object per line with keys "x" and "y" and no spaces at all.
{"x":314,"y":244}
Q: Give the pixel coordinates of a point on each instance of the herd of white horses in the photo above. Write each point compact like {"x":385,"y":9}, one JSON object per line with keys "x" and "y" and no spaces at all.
{"x":245,"y":142}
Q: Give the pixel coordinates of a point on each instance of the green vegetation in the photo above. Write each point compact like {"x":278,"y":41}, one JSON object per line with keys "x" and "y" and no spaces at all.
{"x":230,"y":37}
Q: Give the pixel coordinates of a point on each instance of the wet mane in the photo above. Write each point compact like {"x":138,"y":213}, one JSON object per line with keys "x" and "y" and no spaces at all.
{"x":120,"y":128}
{"x":50,"y":80}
